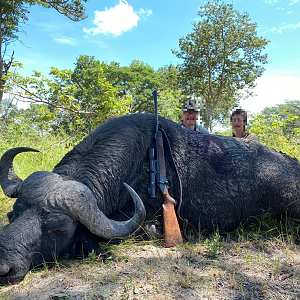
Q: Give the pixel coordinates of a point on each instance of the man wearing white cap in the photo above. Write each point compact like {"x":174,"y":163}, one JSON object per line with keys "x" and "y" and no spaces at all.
{"x":190,"y":116}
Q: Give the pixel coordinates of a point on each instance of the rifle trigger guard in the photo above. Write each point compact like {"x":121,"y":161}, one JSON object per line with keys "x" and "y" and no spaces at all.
{"x":162,"y":182}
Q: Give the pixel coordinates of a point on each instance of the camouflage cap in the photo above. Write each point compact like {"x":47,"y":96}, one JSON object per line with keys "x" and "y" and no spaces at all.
{"x":189,"y":105}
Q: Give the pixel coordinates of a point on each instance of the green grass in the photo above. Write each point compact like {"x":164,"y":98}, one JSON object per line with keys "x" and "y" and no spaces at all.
{"x":51,"y":152}
{"x":269,"y":226}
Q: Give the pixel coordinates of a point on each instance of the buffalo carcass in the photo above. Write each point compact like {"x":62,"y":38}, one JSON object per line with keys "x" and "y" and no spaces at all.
{"x":225,"y":181}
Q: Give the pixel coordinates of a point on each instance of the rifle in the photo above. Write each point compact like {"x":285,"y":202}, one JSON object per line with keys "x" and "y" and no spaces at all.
{"x":172,"y":234}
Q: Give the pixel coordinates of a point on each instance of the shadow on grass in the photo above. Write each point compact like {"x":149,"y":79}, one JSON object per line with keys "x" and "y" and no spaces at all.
{"x":257,"y":262}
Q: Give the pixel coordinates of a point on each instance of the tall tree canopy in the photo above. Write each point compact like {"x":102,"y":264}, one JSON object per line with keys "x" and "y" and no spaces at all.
{"x":222,"y":56}
{"x":170,"y":97}
{"x":92,"y":92}
{"x":79,"y":96}
{"x":137,"y":81}
{"x":14,"y":12}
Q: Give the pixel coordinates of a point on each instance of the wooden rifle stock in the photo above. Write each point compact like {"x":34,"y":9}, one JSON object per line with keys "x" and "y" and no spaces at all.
{"x":172,"y":234}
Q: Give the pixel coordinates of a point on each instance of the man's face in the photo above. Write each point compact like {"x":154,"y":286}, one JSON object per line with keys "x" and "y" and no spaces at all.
{"x":237,"y":122}
{"x":189,"y":118}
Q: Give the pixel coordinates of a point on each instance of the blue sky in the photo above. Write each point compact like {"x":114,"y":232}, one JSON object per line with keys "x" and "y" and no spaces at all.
{"x":147,"y":30}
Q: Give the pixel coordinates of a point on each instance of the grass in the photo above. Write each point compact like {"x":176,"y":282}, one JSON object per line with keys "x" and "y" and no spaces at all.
{"x":28,"y":162}
{"x":252,"y":264}
{"x":260,"y":261}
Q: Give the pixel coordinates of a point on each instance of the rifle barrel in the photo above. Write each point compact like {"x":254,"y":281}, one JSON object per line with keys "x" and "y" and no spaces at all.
{"x":172,"y":234}
{"x":154,"y":93}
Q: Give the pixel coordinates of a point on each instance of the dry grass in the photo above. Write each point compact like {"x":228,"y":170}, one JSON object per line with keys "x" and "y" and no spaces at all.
{"x":267,"y":268}
{"x":261,"y":261}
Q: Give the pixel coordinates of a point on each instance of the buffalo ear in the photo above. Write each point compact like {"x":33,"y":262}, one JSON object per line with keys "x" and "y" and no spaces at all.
{"x":84,"y":243}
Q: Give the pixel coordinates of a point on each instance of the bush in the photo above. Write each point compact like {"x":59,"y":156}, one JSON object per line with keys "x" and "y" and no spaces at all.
{"x":272,"y":132}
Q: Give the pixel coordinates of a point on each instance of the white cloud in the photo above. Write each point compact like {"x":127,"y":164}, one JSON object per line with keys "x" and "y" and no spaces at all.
{"x":292,"y":2}
{"x":144,"y":13}
{"x":66,"y":41}
{"x":271,"y":1}
{"x":290,"y":12}
{"x":273,"y":89}
{"x":117,"y":19}
{"x":283,"y":27}
{"x":48,"y":27}
{"x":99,"y":43}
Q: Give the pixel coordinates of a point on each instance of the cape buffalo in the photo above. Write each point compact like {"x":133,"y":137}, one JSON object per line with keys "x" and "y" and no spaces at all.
{"x":225,"y":181}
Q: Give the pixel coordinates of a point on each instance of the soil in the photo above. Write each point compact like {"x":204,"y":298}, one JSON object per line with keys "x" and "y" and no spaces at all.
{"x":260,"y":269}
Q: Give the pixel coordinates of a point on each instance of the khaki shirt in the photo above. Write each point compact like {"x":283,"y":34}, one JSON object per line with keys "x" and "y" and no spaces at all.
{"x":249,"y":136}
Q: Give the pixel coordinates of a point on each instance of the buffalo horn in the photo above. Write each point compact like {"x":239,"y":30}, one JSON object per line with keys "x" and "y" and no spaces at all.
{"x":94,"y":219}
{"x":9,"y":181}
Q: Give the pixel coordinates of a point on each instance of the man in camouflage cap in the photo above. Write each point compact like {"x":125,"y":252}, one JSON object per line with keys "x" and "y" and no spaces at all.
{"x":190,"y":115}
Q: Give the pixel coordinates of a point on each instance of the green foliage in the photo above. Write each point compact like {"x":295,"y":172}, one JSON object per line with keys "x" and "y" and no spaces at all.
{"x":221,"y":56}
{"x":142,"y":79}
{"x":285,"y":111}
{"x":212,"y":245}
{"x":272,"y":132}
{"x":20,"y":122}
{"x":72,"y":9}
{"x":170,"y":97}
{"x":77,"y":99}
{"x":136,"y":81}
{"x":268,"y":226}
{"x":169,"y":104}
{"x":14,"y":12}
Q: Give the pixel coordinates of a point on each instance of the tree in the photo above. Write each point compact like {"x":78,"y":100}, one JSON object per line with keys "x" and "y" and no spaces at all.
{"x":9,"y":111}
{"x":170,"y":97}
{"x":283,"y":112}
{"x":78,"y":97}
{"x":277,"y":131}
{"x":94,"y":93}
{"x":137,"y":81}
{"x":143,"y":79}
{"x":14,"y":12}
{"x":221,"y":57}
